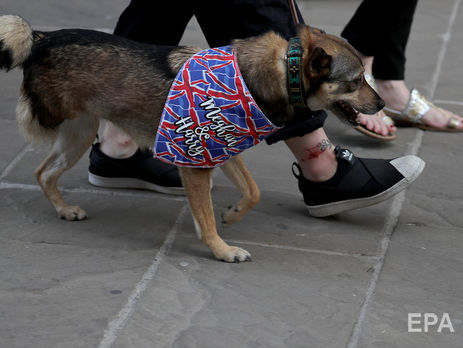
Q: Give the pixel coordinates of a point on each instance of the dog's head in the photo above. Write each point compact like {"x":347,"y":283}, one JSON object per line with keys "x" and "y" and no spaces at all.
{"x":333,"y":75}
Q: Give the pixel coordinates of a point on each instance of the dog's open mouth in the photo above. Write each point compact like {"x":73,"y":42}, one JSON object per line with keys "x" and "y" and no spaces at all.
{"x":345,"y":112}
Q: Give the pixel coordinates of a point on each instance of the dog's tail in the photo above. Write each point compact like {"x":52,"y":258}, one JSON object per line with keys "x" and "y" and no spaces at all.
{"x":16,"y":40}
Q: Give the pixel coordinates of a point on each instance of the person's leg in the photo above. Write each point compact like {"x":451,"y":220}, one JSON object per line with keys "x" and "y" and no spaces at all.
{"x":154,"y":22}
{"x":117,"y":161}
{"x":365,"y":31}
{"x":381,"y":30}
{"x":145,"y":21}
{"x":332,"y":180}
{"x":378,"y":123}
{"x":388,"y":44}
{"x":241,"y":19}
{"x":115,"y":143}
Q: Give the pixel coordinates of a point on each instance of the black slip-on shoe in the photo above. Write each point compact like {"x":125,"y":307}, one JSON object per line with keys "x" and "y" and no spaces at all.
{"x":358,"y":182}
{"x":141,"y":171}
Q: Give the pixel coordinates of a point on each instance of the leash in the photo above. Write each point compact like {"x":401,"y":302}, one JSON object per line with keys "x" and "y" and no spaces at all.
{"x":292,"y":8}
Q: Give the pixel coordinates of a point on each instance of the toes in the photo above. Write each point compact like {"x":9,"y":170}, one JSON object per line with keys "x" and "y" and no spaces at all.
{"x":370,"y":124}
{"x":375,"y":124}
{"x":247,"y":258}
{"x":380,"y":129}
{"x":242,"y":255}
{"x":72,"y":213}
{"x":362,"y":119}
{"x":235,"y":255}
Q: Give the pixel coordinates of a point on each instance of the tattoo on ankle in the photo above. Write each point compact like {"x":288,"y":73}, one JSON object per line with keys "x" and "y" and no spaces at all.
{"x":317,"y":150}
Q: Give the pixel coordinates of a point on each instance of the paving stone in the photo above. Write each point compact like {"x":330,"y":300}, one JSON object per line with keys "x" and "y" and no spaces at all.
{"x":283,"y":219}
{"x":11,"y":143}
{"x":56,"y":13}
{"x":9,"y":91}
{"x":197,"y":302}
{"x":449,"y":87}
{"x":63,"y":281}
{"x":76,"y":177}
{"x":422,"y":274}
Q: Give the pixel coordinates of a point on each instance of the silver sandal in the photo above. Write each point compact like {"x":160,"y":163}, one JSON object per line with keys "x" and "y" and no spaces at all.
{"x":416,"y":108}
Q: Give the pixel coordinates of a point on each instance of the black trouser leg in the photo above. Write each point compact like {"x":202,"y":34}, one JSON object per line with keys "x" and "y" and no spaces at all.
{"x":155,"y":22}
{"x":381,"y":29}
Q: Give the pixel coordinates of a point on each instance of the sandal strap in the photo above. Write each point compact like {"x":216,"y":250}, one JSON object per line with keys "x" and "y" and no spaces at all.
{"x":387,"y":120}
{"x":371,"y":81}
{"x":416,"y":108}
{"x":453,"y":123}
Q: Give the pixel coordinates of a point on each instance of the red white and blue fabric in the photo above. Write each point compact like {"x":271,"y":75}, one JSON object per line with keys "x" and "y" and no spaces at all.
{"x":209,"y":115}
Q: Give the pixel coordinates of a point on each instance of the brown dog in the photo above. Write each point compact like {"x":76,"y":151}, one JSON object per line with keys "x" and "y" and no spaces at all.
{"x":73,"y":78}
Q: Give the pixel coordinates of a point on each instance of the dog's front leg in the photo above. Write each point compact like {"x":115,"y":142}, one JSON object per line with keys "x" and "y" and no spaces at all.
{"x":197,"y":183}
{"x":236,"y":171}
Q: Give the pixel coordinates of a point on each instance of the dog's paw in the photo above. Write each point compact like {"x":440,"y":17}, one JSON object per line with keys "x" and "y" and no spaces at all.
{"x":232,"y":215}
{"x":72,"y":213}
{"x":234,"y":254}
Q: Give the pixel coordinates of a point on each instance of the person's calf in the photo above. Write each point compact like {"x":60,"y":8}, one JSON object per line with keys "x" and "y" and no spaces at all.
{"x":315,"y":155}
{"x":115,"y":143}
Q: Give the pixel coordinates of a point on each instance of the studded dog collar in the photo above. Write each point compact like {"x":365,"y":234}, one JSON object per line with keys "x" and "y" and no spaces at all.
{"x":296,"y":89}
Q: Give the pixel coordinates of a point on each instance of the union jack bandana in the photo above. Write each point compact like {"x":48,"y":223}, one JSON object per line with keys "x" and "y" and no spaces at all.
{"x":209,"y":115}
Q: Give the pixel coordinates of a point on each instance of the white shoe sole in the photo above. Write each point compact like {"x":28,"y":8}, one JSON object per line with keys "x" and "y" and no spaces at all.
{"x":409,"y":166}
{"x":132,"y":183}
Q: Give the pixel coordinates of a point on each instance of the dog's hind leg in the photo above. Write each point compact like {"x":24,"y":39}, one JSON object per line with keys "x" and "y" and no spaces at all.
{"x":236,"y":171}
{"x":73,"y":139}
{"x":197,"y":183}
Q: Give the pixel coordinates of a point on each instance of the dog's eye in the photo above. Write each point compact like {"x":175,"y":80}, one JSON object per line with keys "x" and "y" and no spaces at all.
{"x":355,"y":84}
{"x":358,"y":81}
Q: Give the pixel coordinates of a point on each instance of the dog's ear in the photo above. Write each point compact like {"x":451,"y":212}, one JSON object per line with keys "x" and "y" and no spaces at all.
{"x":319,"y":63}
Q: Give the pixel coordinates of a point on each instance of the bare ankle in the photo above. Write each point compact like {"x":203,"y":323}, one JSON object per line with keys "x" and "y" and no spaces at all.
{"x":320,"y":164}
{"x":367,"y":64}
{"x":118,"y":147}
{"x":394,"y":92}
{"x":315,"y":155}
{"x":116,"y":143}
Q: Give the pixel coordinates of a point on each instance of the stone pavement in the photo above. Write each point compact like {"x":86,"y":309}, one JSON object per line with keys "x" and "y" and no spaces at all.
{"x":134,"y":274}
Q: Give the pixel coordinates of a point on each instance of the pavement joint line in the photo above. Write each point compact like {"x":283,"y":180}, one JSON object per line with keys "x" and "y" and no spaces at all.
{"x":25,"y":149}
{"x":448,"y":102}
{"x":118,"y":324}
{"x":398,"y":201}
{"x":107,"y":192}
{"x":389,"y":226}
{"x":307,"y":250}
